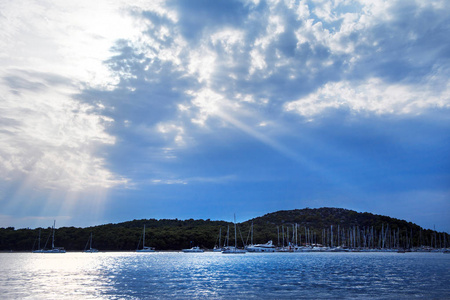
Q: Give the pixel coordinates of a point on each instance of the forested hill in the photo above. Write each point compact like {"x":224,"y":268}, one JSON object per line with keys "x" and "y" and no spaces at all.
{"x":324,"y":217}
{"x":322,"y":225}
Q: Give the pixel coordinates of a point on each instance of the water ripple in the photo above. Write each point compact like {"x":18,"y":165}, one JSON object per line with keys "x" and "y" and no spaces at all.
{"x":217,"y":276}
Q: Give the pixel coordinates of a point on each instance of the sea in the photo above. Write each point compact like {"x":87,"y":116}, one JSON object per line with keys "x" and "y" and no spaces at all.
{"x":208,"y":275}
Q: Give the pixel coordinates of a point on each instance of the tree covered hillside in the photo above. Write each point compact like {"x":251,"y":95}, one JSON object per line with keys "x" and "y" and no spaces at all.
{"x":328,"y":226}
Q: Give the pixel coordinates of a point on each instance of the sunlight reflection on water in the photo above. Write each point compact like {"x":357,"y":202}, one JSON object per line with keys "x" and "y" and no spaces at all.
{"x":213,"y":275}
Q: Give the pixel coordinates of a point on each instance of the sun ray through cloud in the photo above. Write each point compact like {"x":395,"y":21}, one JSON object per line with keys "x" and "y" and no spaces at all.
{"x":121,"y":107}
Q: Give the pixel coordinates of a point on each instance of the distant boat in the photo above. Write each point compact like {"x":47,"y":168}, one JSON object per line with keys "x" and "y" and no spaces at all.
{"x":145,"y":248}
{"x":53,"y":249}
{"x":267,"y":247}
{"x":39,"y":249}
{"x":234,"y":250}
{"x":218,"y":248}
{"x":193,"y":249}
{"x":90,"y":250}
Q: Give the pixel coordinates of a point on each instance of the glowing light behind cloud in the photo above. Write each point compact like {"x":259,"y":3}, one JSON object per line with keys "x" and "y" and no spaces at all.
{"x":93,"y":93}
{"x":53,"y":50}
{"x":49,"y":140}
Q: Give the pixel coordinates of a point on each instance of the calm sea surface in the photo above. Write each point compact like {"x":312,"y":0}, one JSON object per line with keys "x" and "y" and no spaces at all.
{"x":217,"y":276}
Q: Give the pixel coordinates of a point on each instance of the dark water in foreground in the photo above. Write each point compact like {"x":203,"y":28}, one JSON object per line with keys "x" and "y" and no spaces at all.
{"x":217,"y":276}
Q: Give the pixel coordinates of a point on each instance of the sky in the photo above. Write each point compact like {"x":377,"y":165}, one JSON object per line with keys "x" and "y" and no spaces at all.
{"x":118,"y":110}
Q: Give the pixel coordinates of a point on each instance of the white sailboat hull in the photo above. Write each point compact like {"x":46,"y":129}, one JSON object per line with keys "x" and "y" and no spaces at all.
{"x":90,"y":251}
{"x":56,"y":250}
{"x":146,"y":250}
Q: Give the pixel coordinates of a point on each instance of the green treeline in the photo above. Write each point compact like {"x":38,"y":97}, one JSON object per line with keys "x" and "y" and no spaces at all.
{"x":327,"y":226}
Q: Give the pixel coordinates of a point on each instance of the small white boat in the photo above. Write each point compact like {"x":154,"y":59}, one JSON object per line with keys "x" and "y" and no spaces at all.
{"x":145,"y":248}
{"x":267,"y":247}
{"x":193,"y":249}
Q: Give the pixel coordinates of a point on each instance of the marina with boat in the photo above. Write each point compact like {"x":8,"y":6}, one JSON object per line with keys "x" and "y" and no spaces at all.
{"x":289,"y":238}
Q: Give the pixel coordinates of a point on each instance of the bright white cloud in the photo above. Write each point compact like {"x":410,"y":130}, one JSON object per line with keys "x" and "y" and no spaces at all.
{"x":175,"y":132}
{"x":228,"y":40}
{"x":202,"y":64}
{"x":168,"y":181}
{"x":258,"y":61}
{"x":50,"y":138}
{"x":373,"y":96}
{"x":243,"y":71}
{"x":193,"y":180}
{"x":49,"y":51}
{"x":209,"y":103}
{"x":69,"y":39}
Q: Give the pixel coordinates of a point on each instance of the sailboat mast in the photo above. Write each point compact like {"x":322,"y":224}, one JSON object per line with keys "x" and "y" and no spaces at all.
{"x":252,"y":232}
{"x":278,"y":235}
{"x":143,"y":238}
{"x":53,"y":236}
{"x":296,"y":234}
{"x":235,"y":233}
{"x":228,"y":236}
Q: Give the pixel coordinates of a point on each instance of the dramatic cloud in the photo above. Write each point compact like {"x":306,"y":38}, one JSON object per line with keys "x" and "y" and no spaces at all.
{"x":224,"y":105}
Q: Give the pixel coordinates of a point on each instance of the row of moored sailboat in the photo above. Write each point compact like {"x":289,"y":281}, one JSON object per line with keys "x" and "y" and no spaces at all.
{"x":227,"y":249}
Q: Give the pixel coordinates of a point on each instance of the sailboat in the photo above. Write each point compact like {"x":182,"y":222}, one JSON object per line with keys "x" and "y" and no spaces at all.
{"x":90,"y":250}
{"x":219,"y":248}
{"x":39,"y":249}
{"x":234,"y":250}
{"x":54,"y":249}
{"x":145,"y":248}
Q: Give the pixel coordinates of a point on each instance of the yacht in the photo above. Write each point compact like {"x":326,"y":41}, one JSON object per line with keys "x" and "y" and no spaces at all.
{"x":267,"y":247}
